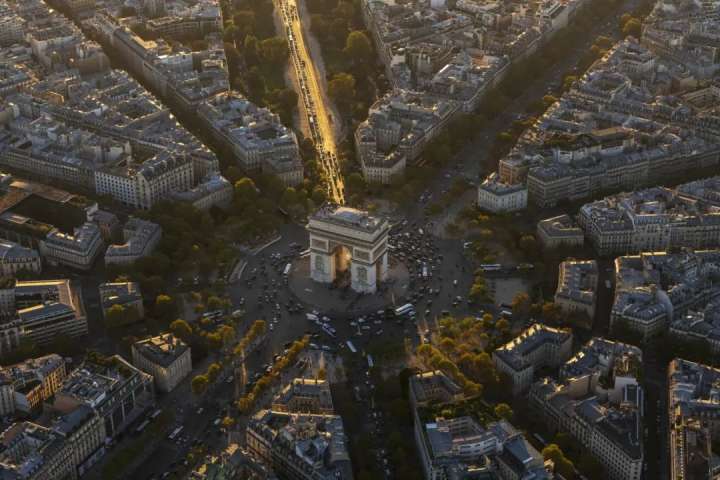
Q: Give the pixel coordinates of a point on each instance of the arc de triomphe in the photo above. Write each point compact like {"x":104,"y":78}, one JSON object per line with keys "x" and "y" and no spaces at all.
{"x":343,"y":238}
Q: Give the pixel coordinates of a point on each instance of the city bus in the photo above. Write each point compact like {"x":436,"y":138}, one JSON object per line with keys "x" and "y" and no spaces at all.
{"x":351,"y":346}
{"x":155,"y":414}
{"x":490,"y":267}
{"x":175,"y":433}
{"x":286,"y":272}
{"x":142,"y":426}
{"x":404,"y":310}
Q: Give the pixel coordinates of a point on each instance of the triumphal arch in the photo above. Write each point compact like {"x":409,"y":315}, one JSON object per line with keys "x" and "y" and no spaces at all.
{"x":345,"y":241}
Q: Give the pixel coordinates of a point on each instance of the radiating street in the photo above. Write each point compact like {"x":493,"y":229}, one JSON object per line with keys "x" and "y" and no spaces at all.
{"x":320,"y":128}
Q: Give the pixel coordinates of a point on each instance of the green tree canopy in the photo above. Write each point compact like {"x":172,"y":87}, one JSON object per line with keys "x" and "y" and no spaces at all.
{"x":562,"y":464}
{"x":165,"y":306}
{"x":274,"y":50}
{"x":358,"y":48}
{"x":199,"y":384}
{"x":503,"y":410}
{"x":342,"y":87}
{"x":181,"y":329}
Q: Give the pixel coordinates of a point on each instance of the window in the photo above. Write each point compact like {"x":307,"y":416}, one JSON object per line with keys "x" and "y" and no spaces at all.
{"x":319,"y":264}
{"x":362,"y":274}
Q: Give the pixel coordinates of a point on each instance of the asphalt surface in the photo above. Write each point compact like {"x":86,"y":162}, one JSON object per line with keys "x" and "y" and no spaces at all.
{"x":313,"y":100}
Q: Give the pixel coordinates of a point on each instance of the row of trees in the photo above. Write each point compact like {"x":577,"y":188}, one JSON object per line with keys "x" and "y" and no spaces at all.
{"x":461,"y":348}
{"x":247,"y":401}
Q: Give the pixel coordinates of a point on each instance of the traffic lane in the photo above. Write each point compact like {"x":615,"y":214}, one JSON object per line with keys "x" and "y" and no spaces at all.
{"x":168,"y":455}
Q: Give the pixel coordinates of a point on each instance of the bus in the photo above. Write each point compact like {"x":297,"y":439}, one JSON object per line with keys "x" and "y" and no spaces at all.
{"x":155,"y":414}
{"x":328,"y":330}
{"x":212,"y":315}
{"x":175,"y":433}
{"x":286,"y":272}
{"x":490,"y":267}
{"x":351,"y":346}
{"x":142,"y":426}
{"x":405,"y":309}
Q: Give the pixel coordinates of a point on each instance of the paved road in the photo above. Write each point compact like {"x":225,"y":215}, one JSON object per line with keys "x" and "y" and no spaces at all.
{"x":473,"y":162}
{"x":313,"y":100}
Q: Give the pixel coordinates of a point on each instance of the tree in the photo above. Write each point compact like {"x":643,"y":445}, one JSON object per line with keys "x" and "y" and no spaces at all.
{"x":502,"y":325}
{"x":551,"y":312}
{"x":521,"y":305}
{"x":228,"y":422}
{"x":181,"y":329}
{"x":504,"y":137}
{"x":632,"y":27}
{"x":199,"y":384}
{"x":342,"y":87}
{"x":227,"y":333}
{"x":213,"y":371}
{"x":319,"y":195}
{"x":358,"y":48}
{"x":528,"y":245}
{"x":562,"y":464}
{"x":244,"y":21}
{"x":245,"y":190}
{"x":548,"y":100}
{"x":164,"y":306}
{"x":274,"y":50}
{"x":251,"y":49}
{"x":503,"y":410}
{"x":214,"y":302}
{"x":115,"y":315}
{"x":214,"y":340}
{"x":255,"y":83}
{"x":355,"y":183}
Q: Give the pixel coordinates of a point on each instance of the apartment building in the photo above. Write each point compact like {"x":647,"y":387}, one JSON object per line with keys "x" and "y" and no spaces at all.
{"x":692,"y":411}
{"x":140,"y":236}
{"x":165,"y":357}
{"x":125,"y":294}
{"x":254,"y":135}
{"x":537,"y":347}
{"x":459,"y":447}
{"x":599,"y":402}
{"x":77,"y":250}
{"x":304,"y":395}
{"x":499,"y":197}
{"x":39,"y":311}
{"x":300,"y":446}
{"x":654,"y":290}
{"x":558,"y":232}
{"x":11,"y":26}
{"x":15,"y":258}
{"x":65,"y":449}
{"x":577,"y":287}
{"x":397,"y":129}
{"x":214,"y":191}
{"x":655,"y":219}
{"x":26,"y":385}
{"x":111,"y":386}
{"x":619,"y":127}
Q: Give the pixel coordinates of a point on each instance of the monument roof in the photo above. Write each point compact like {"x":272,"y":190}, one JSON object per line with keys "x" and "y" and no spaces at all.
{"x":349,"y":217}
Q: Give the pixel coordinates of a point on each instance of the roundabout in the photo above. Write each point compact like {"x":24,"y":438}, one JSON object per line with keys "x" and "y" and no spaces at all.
{"x":339,"y":299}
